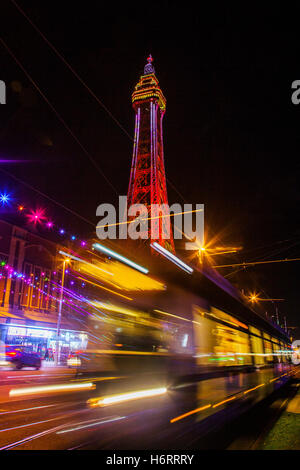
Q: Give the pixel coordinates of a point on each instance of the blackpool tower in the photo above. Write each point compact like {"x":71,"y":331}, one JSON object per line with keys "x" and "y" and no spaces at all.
{"x":147,"y":184}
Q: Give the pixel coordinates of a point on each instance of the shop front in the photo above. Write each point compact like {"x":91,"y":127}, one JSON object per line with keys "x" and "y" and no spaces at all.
{"x":43,"y":340}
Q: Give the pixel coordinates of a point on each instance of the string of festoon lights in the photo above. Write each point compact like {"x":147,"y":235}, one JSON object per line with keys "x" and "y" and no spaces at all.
{"x":77,"y":302}
{"x":37,"y":217}
{"x":9,"y":272}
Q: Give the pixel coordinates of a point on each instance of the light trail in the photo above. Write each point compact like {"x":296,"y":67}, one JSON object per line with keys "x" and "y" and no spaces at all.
{"x":98,"y":423}
{"x":30,"y":424}
{"x":224,"y":401}
{"x":174,"y":259}
{"x":171,"y":315}
{"x":38,"y":435}
{"x":75,"y":258}
{"x":138,"y":219}
{"x":50,"y":388}
{"x":25,"y":409}
{"x":273,"y":380}
{"x":105,"y":288}
{"x":254,"y":388}
{"x":197,"y":410}
{"x":119,"y":257}
{"x":23,"y":377}
{"x":113,"y":399}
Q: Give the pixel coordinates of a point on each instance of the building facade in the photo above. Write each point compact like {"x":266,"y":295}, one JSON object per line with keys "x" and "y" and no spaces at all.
{"x":30,"y":288}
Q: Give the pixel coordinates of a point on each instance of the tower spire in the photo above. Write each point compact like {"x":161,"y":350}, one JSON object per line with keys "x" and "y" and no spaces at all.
{"x":149,"y":67}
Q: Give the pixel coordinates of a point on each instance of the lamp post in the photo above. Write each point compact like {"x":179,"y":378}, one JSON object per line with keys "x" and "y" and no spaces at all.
{"x":57,"y":352}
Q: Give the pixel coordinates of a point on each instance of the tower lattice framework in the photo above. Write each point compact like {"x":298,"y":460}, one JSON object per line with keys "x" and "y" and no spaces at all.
{"x":147,"y":184}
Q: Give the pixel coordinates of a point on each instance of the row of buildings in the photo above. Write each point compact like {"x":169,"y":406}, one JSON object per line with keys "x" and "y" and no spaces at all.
{"x":30,"y":287}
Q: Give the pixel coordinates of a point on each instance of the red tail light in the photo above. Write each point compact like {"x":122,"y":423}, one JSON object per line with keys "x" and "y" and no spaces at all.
{"x":11,"y":353}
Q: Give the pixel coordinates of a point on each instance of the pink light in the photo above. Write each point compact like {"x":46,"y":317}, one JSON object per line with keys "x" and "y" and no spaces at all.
{"x":49,"y":224}
{"x":36,"y":216}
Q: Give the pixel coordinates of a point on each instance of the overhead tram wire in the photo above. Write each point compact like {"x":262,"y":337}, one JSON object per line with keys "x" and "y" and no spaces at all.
{"x":256,"y":262}
{"x":69,"y":66}
{"x":274,"y":252}
{"x":250,"y":250}
{"x":59,"y":116}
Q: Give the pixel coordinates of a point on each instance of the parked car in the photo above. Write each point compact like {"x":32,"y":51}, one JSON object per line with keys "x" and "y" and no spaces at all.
{"x":22,"y":356}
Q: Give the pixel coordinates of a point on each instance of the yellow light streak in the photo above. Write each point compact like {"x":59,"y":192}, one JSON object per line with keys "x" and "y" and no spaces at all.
{"x":171,"y":315}
{"x":105,"y":288}
{"x":120,"y":352}
{"x":125,"y":278}
{"x":80,"y":260}
{"x":256,"y":262}
{"x":276,"y":378}
{"x":254,"y":388}
{"x":114,"y":399}
{"x":116,"y":309}
{"x":149,"y":218}
{"x":224,"y":401}
{"x":50,"y":388}
{"x":258,"y":299}
{"x":101,"y":379}
{"x":222,"y":252}
{"x":189,"y":413}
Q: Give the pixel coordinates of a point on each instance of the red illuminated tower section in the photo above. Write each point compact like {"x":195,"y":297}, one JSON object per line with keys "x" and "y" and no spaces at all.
{"x":147,"y":183}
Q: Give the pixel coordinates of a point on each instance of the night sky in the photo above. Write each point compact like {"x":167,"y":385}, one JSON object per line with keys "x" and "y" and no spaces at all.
{"x":231,"y":132}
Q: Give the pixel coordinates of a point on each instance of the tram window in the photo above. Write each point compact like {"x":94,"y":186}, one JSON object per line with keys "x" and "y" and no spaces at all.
{"x":257,"y":350}
{"x":268,"y":347}
{"x":276,"y":348}
{"x":268,"y":350}
{"x":283,"y":356}
{"x":219,"y":345}
{"x":255,"y":331}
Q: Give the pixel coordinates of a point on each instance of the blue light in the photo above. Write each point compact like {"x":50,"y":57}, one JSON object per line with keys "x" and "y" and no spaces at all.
{"x":167,"y":254}
{"x":73,"y":237}
{"x":115,"y":255}
{"x":4,"y":198}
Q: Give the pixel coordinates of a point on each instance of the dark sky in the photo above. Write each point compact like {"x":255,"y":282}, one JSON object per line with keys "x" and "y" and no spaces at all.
{"x":231,"y":132}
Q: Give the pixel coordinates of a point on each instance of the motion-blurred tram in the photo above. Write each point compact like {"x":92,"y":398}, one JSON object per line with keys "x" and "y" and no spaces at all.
{"x":188,"y":326}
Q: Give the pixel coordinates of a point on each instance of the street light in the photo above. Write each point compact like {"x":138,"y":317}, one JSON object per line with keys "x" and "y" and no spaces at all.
{"x":201,"y":252}
{"x":256,"y":298}
{"x":57,"y":353}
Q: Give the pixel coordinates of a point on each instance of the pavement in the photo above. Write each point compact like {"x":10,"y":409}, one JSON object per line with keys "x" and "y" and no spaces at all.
{"x":285,"y":433}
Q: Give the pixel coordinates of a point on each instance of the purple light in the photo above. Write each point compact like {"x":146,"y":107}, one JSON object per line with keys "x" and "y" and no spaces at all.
{"x":83,"y":243}
{"x":49,"y":224}
{"x":61,"y":231}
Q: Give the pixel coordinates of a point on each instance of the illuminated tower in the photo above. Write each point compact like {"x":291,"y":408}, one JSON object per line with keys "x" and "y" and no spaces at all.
{"x":147,"y":184}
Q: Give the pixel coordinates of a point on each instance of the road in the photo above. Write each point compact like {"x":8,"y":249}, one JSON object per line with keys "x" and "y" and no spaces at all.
{"x":176,"y":419}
